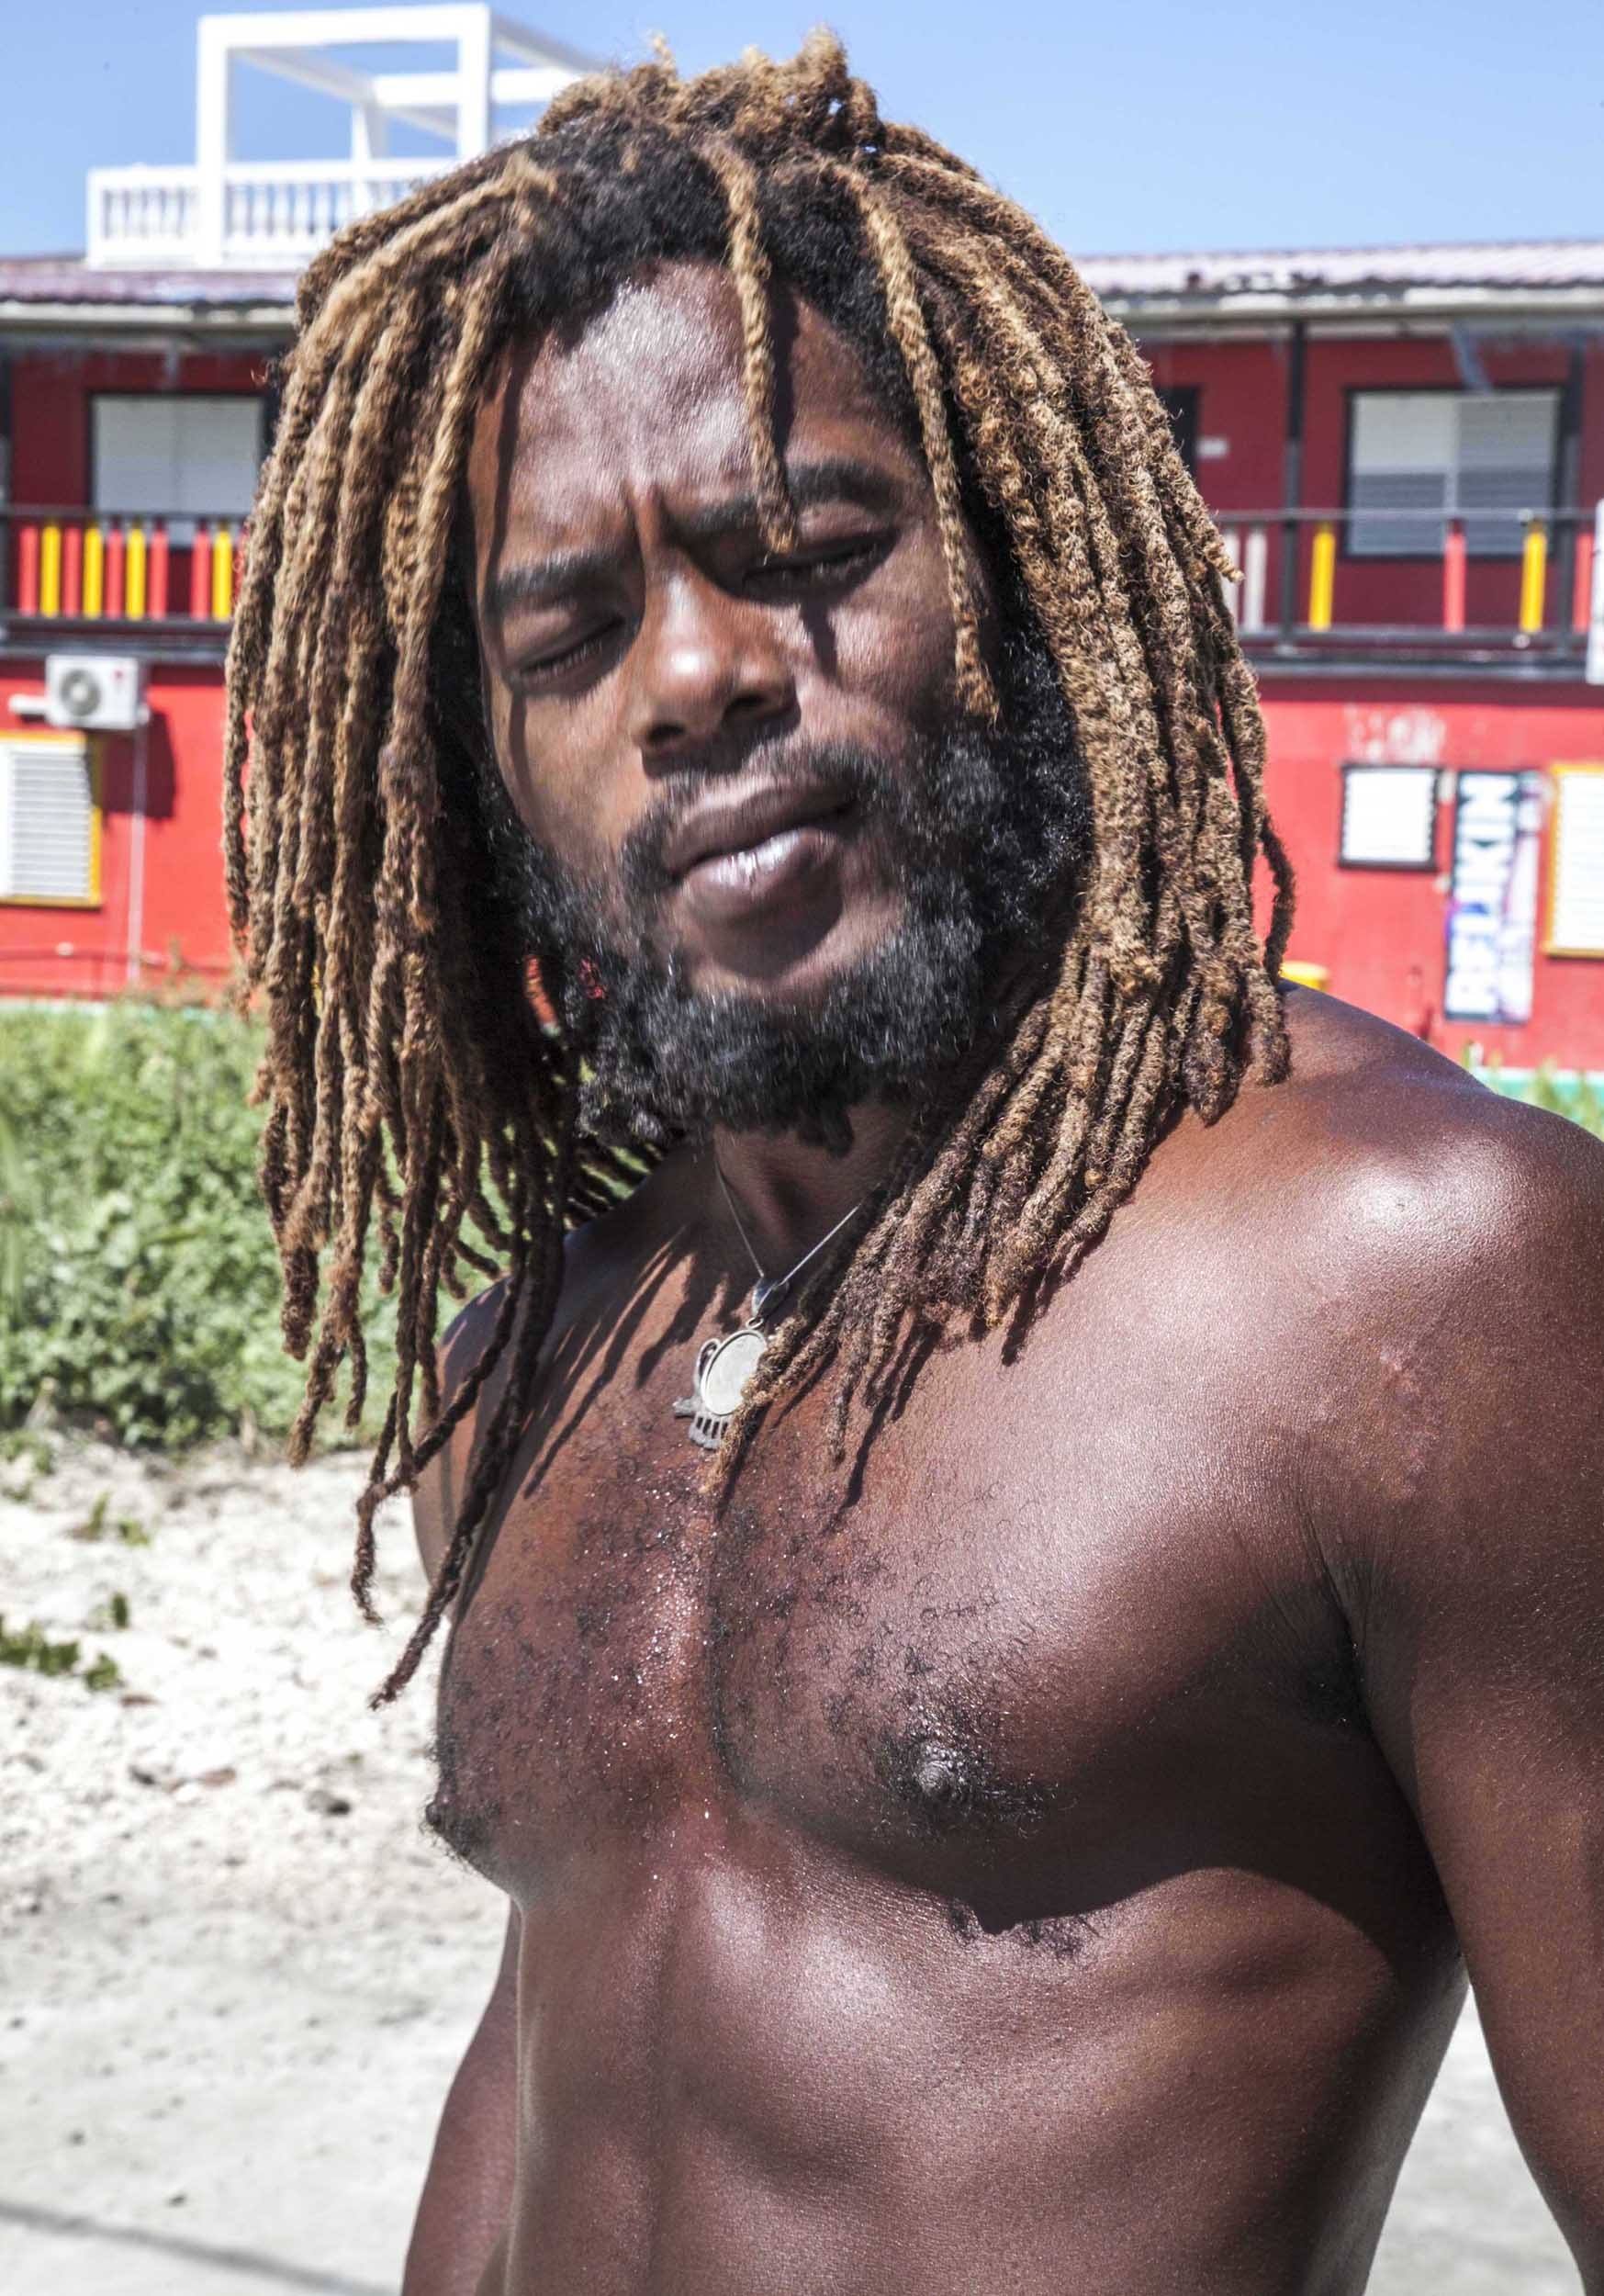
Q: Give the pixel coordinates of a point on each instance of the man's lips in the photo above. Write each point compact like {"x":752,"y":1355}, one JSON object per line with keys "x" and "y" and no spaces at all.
{"x":737,"y":860}
{"x":735,"y":825}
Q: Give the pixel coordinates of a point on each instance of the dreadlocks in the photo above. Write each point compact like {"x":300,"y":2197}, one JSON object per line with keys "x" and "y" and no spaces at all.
{"x":409,"y":1083}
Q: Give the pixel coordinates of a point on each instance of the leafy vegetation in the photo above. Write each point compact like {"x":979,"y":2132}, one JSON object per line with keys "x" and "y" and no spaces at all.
{"x":1581,"y":1097}
{"x":32,"y":1649}
{"x":138,"y":1286}
{"x":100,"y":1522}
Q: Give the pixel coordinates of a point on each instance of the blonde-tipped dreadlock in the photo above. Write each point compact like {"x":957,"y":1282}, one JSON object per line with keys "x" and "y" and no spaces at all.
{"x":408,"y":1081}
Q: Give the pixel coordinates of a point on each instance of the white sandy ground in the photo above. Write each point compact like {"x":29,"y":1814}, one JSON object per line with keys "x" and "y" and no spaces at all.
{"x":235,"y":1975}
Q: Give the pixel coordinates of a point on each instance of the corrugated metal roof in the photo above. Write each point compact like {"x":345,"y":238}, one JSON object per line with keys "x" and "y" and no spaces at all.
{"x":1511,"y":263}
{"x":69,"y":279}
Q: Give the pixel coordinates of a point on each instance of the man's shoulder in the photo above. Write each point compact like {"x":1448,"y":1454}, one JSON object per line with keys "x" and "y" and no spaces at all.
{"x":1375,"y":1290}
{"x":1436,"y":1250}
{"x":602,"y":1256}
{"x":1378,"y":1148}
{"x":1375,"y":1228}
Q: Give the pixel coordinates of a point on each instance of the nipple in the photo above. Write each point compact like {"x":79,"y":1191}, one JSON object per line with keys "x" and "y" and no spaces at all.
{"x":943,"y":1782}
{"x":937,"y":1773}
{"x":933,"y":1779}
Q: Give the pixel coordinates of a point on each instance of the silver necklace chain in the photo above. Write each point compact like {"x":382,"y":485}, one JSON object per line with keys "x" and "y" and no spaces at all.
{"x":725,"y":1368}
{"x":770,"y":1287}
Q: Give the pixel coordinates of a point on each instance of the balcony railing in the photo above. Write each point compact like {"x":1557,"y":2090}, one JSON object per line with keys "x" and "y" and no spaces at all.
{"x":156,"y":574}
{"x":180,"y":575}
{"x":1301,"y":592}
{"x":275,"y":214}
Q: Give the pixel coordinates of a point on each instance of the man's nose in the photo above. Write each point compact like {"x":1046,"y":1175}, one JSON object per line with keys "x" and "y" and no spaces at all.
{"x":711,"y":666}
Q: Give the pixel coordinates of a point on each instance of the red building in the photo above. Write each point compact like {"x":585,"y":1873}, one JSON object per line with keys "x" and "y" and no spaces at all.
{"x":1405,"y":448}
{"x":118,"y":542}
{"x":134,"y":406}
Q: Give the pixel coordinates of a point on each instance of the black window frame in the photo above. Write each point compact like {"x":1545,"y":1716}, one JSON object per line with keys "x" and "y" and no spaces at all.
{"x":1427,"y":865}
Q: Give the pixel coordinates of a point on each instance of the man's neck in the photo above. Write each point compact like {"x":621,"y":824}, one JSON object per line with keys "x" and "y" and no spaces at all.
{"x":789,"y":1192}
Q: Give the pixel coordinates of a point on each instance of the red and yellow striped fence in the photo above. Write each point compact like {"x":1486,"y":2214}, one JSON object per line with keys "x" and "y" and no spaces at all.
{"x":73,"y":566}
{"x":76,"y":565}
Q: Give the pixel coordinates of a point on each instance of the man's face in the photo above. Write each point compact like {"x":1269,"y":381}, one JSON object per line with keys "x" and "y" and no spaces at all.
{"x":661,"y":688}
{"x":737,"y":782}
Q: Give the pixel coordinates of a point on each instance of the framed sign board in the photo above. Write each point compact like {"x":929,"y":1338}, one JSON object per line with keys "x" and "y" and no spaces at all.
{"x":1492,"y":909}
{"x":1389,"y":817}
{"x":1576,"y":876}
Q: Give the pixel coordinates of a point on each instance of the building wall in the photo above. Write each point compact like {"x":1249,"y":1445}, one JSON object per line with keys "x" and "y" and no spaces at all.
{"x":1242,"y":406}
{"x":48,"y":950}
{"x":51,"y":394}
{"x":1380,"y":934}
{"x":53,"y":949}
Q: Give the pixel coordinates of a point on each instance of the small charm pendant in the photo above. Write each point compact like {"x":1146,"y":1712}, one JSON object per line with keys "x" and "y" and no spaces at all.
{"x":724,"y":1372}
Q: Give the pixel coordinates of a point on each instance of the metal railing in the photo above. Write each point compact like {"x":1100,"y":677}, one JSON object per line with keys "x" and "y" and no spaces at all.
{"x":80,"y":566}
{"x":275,"y":214}
{"x":1297,"y":584}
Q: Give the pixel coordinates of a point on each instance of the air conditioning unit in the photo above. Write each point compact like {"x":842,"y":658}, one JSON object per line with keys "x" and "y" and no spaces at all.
{"x":95,"y":693}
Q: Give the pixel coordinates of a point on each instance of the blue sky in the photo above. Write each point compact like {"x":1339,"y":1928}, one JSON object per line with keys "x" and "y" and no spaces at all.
{"x":1146,"y":125}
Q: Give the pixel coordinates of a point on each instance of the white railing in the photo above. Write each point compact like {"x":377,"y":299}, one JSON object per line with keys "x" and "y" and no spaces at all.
{"x":228,"y":214}
{"x":275,"y":214}
{"x":286,"y":211}
{"x":141,"y":215}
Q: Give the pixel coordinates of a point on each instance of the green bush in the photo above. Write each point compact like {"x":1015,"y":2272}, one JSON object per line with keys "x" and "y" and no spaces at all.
{"x":1579,"y":1096}
{"x":138,"y":1286}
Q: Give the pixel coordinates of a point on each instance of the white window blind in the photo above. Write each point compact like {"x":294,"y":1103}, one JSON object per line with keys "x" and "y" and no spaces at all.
{"x":1484,"y":457}
{"x":47,"y":819}
{"x":175,"y":455}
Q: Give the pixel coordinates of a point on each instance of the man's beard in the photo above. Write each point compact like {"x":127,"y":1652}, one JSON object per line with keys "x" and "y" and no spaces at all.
{"x":982,"y":831}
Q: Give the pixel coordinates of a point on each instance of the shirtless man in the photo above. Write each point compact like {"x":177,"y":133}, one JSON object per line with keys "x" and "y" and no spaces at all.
{"x":1016,"y":1814}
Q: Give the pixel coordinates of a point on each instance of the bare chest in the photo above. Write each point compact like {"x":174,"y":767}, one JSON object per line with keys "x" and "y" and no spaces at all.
{"x":968,"y":1664}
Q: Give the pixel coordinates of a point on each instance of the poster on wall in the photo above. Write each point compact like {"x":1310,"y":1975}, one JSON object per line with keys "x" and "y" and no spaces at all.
{"x":1389,"y":817}
{"x":1576,"y":883}
{"x":1492,"y":908}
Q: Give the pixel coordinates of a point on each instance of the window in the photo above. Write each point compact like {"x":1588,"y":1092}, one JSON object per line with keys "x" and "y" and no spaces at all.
{"x":1484,"y":457}
{"x":49,"y":820}
{"x":176,"y":454}
{"x":1179,"y":401}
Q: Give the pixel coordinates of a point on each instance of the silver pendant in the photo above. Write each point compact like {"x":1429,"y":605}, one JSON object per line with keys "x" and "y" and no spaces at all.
{"x":725,"y":1370}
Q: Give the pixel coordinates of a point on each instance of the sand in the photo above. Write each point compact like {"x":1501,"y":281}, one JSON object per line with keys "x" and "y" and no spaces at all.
{"x":235,"y":1975}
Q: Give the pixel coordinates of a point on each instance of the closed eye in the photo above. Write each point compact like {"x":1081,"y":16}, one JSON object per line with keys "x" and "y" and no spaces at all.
{"x":827,"y":565}
{"x":591,"y":645}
